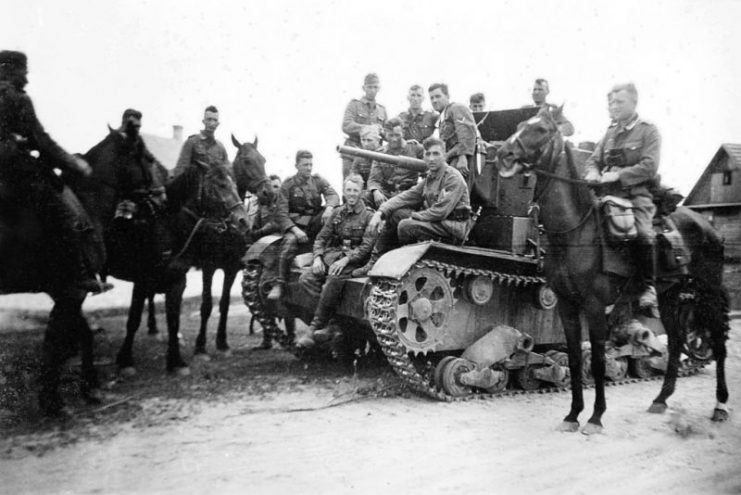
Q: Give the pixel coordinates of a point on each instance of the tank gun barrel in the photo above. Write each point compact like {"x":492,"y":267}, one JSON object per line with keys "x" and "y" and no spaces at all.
{"x":407,"y":162}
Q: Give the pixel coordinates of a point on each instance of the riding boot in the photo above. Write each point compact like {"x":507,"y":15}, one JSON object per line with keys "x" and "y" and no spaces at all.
{"x":646,"y":258}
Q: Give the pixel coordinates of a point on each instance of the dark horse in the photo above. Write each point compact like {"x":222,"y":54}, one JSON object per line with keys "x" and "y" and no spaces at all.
{"x":27,"y":266}
{"x":574,"y":268}
{"x":171,"y":231}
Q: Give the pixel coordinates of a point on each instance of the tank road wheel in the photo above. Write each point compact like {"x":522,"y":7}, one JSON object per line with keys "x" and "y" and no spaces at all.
{"x":501,"y":385}
{"x":450,"y":377}
{"x":640,"y":367}
{"x":586,"y":367}
{"x":618,"y":369}
{"x":562,"y":359}
{"x":544,"y":297}
{"x":438,"y":376}
{"x":526,"y":380}
{"x":424,"y":303}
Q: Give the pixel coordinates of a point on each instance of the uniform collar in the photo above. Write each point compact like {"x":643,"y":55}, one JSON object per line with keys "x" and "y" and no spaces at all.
{"x":439,"y":173}
{"x":411,"y":112}
{"x":629,"y":126}
{"x":299,"y":179}
{"x":359,"y":207}
{"x":206,"y":137}
{"x":366,"y":101}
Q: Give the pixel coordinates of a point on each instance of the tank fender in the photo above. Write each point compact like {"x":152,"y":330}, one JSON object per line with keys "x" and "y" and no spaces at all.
{"x":498,"y":344}
{"x":397,"y":262}
{"x":256,"y":250}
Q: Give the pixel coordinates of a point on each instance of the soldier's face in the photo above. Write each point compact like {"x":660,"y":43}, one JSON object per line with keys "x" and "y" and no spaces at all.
{"x":304,"y":167}
{"x":438,"y":99}
{"x":371,"y":90}
{"x":132,"y":126}
{"x":275,"y":185}
{"x":621,"y":105}
{"x":17,"y":77}
{"x":434,"y":158}
{"x":352,"y":191}
{"x":540,"y":92}
{"x":369,"y":142}
{"x":415,"y":97}
{"x":210,"y":121}
{"x":478,"y":106}
{"x":395,"y":137}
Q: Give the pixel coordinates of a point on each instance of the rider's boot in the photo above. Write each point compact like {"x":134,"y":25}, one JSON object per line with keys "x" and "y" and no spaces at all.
{"x":646,"y":258}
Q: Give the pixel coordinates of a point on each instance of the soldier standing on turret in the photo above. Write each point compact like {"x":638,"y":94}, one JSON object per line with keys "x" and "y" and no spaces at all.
{"x":359,"y":113}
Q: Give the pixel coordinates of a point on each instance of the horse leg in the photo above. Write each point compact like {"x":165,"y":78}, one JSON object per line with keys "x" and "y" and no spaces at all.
{"x":721,"y":389}
{"x":229,"y":276}
{"x":595,"y":313}
{"x":672,"y":321}
{"x":125,"y":357}
{"x":206,"y":307}
{"x":569,"y":313}
{"x":151,"y":316}
{"x":90,"y":383}
{"x":57,"y":347}
{"x":173,"y":305}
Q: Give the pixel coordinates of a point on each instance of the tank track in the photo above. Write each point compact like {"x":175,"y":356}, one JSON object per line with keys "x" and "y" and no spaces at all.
{"x":251,"y":295}
{"x":381,"y":315}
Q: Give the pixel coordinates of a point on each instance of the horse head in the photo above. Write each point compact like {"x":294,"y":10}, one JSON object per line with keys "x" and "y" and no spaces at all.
{"x":532,"y":141}
{"x":249,"y":170}
{"x":221,"y":200}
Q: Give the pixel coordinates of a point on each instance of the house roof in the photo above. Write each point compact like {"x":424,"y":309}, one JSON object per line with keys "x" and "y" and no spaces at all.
{"x":166,"y":150}
{"x":733,"y":151}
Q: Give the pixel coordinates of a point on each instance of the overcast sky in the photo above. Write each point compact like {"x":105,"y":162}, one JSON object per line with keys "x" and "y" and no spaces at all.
{"x":286,"y":69}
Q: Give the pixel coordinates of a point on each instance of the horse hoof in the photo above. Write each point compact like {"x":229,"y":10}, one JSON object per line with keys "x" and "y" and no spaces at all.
{"x":591,"y":429}
{"x":202,"y":356}
{"x":657,"y":408}
{"x":569,"y":427}
{"x":182,"y":371}
{"x":128,"y":371}
{"x":720,"y":415}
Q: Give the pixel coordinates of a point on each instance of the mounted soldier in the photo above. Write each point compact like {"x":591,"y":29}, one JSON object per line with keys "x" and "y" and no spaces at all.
{"x":203,"y":149}
{"x":625,"y":161}
{"x":540,"y":92}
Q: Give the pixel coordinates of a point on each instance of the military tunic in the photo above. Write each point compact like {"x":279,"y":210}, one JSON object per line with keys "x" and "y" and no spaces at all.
{"x":458,"y":130}
{"x":359,"y":113}
{"x":203,"y":150}
{"x":418,"y":126}
{"x":389,"y":179}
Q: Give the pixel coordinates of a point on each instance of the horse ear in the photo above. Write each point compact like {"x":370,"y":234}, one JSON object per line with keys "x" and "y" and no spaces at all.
{"x":236,"y":143}
{"x":557,"y":111}
{"x":111,"y":130}
{"x":255,"y":142}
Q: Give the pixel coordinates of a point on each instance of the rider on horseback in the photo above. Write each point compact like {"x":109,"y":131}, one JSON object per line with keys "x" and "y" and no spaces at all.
{"x":27,"y":158}
{"x":626,"y":161}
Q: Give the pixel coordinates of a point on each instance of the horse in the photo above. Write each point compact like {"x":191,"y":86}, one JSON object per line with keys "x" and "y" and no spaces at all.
{"x":573,"y":267}
{"x":27,"y":266}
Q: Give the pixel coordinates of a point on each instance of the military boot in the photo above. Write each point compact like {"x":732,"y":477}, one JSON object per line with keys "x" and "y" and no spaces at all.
{"x":646,"y":257}
{"x":307,"y":341}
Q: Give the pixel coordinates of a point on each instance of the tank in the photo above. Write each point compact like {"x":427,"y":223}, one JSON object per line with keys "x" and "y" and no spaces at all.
{"x":458,"y":320}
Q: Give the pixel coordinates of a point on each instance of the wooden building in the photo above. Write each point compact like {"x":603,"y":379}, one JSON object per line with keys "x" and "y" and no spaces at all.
{"x":166,"y":150}
{"x":717,"y":196}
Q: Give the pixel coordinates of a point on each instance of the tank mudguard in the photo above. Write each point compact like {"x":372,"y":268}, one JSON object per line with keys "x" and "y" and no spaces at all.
{"x":256,"y":250}
{"x":396,"y":263}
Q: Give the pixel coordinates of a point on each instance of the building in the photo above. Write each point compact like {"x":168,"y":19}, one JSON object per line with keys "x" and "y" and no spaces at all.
{"x":166,"y":150}
{"x":717,"y":196}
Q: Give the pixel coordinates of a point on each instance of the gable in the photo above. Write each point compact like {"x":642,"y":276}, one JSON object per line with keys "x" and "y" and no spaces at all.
{"x":720,"y":182}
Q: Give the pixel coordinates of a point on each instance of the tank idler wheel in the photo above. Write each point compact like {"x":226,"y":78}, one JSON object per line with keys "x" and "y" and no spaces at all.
{"x":450,"y":377}
{"x":544,"y":297}
{"x":586,"y":367}
{"x":641,"y":367}
{"x":526,"y":379}
{"x":501,"y":385}
{"x":438,"y":375}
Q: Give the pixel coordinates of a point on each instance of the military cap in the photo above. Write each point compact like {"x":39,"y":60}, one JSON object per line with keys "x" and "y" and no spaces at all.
{"x":130,"y":112}
{"x":371,"y":78}
{"x":9,"y":58}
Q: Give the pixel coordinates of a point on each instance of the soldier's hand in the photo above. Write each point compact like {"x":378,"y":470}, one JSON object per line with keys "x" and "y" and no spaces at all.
{"x":317,"y":268}
{"x":375,"y":221}
{"x":82,"y":166}
{"x":339,"y":265}
{"x":461,"y":163}
{"x":327,"y":214}
{"x":378,"y":197}
{"x":300,"y":235}
{"x":592,"y":176}
{"x":608,"y":177}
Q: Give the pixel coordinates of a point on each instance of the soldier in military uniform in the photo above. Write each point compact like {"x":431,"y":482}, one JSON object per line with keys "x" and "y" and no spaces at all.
{"x":203,"y":149}
{"x":359,"y":113}
{"x":266,"y":220}
{"x":370,"y":139}
{"x":477,"y":102}
{"x":300,"y":213}
{"x":457,"y":129}
{"x":27,"y":158}
{"x":418,"y":124}
{"x":540,"y":93}
{"x":387,"y":180}
{"x":343,"y":244}
{"x":625,"y":161}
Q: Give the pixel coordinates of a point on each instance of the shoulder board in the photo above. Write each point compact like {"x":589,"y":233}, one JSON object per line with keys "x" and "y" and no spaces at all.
{"x":193,"y":136}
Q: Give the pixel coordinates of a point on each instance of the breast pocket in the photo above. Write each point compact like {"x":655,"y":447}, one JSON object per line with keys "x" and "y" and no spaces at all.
{"x":633,"y":151}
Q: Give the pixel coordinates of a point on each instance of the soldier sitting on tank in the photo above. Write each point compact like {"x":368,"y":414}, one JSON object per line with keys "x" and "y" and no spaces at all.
{"x":343,"y":244}
{"x":437,"y":208}
{"x":370,"y":139}
{"x":387,"y":180}
{"x":300,"y":214}
{"x":27,"y":158}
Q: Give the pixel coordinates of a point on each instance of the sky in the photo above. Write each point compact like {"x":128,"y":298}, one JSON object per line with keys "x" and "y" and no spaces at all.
{"x":285,"y":70}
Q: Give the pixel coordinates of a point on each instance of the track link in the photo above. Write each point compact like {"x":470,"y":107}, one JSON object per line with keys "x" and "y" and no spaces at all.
{"x":251,"y":295}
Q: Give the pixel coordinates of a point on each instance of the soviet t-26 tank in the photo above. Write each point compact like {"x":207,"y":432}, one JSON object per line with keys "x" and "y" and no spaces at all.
{"x":454,"y":320}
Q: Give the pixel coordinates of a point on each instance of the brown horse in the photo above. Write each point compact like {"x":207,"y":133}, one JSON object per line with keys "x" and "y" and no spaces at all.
{"x":574,"y":269}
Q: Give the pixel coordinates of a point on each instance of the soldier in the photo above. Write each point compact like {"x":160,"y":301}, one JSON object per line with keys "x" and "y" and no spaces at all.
{"x":27,"y":158}
{"x":441,"y":202}
{"x":370,"y":139}
{"x":477,"y":102}
{"x":300,"y":213}
{"x":359,"y":113}
{"x":540,"y":94}
{"x":343,"y":245}
{"x":203,"y":149}
{"x":626,"y":161}
{"x":266,"y":220}
{"x":418,"y":124}
{"x":387,"y":180}
{"x":457,"y":129}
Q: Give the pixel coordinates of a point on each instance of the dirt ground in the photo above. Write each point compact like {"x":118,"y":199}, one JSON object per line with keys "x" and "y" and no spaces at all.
{"x":265,"y":422}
